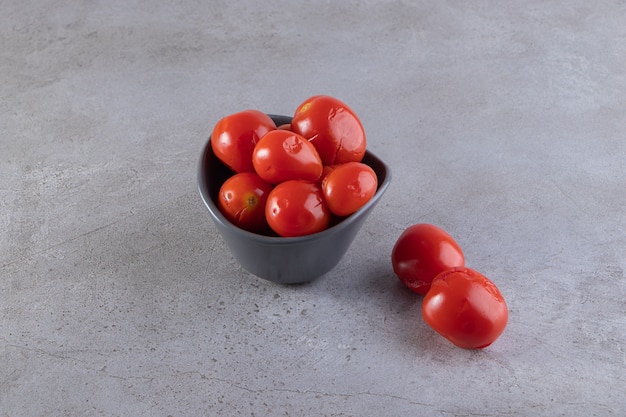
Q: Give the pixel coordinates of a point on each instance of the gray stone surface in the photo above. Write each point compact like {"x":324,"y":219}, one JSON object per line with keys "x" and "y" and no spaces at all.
{"x":504,"y":123}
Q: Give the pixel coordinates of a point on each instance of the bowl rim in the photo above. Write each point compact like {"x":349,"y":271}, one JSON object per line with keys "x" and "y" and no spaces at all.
{"x":203,"y":188}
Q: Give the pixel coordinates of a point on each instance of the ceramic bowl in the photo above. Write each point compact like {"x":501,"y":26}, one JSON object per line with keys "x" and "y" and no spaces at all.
{"x":285,"y":260}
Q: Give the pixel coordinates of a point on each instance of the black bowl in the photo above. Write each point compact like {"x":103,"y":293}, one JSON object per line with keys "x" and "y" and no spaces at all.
{"x":285,"y":260}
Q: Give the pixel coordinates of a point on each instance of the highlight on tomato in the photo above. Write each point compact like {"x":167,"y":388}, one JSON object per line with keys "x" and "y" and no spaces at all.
{"x":242,"y":199}
{"x":348,"y":187}
{"x":282,"y":155}
{"x":235,"y":136}
{"x":297,"y":208}
{"x":466,"y":308}
{"x":332,"y":127}
{"x":422,"y":252}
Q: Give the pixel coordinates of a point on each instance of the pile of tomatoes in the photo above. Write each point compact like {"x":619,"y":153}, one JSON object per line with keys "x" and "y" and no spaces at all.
{"x":460,"y":303}
{"x":297,"y":179}
{"x":294,"y":179}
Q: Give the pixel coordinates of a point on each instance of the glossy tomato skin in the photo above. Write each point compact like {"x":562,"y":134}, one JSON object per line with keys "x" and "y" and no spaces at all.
{"x":466,"y":308}
{"x":348,"y":187}
{"x":422,"y":252}
{"x":297,"y":208}
{"x":327,"y":170}
{"x":333,"y":128}
{"x":282,"y":155}
{"x":242,"y":199}
{"x":235,"y":136}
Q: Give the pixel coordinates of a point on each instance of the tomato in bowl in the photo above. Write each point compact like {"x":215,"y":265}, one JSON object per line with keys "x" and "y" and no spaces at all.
{"x":285,"y":260}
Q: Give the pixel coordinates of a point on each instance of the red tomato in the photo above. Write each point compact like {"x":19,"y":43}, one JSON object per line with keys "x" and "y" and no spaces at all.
{"x":348,"y":187}
{"x":421,"y":252}
{"x":242,"y":200}
{"x":332,"y":127}
{"x":234,"y":137}
{"x":296,"y":208}
{"x":466,"y":308}
{"x":282,"y":155}
{"x":327,"y":170}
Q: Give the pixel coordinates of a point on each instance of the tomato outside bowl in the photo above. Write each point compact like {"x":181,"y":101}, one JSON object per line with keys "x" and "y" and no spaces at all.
{"x":285,"y":260}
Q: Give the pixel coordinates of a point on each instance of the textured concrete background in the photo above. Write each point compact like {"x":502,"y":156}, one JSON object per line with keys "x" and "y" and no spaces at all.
{"x":504,"y":123}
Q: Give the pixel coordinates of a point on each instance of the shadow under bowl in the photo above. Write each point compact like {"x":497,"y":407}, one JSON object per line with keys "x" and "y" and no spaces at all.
{"x":285,"y":260}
